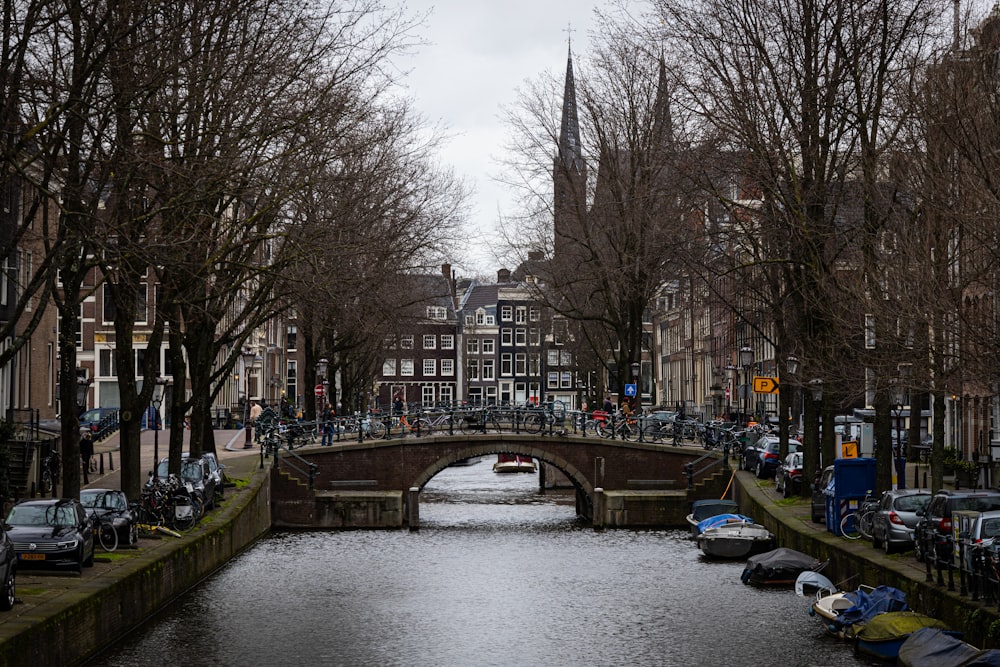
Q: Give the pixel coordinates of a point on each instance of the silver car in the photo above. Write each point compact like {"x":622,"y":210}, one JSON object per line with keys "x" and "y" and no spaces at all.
{"x":897,"y":517}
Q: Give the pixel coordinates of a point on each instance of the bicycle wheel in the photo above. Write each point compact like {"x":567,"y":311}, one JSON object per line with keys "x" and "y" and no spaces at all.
{"x":45,"y":486}
{"x":849,"y":526}
{"x":377,"y":430}
{"x":865,"y":523}
{"x":182,"y":514}
{"x":534,"y":423}
{"x":422,"y":426}
{"x":628,"y":432}
{"x":107,"y":536}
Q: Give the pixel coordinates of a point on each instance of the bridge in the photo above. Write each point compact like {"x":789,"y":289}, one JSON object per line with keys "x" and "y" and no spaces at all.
{"x":377,"y":482}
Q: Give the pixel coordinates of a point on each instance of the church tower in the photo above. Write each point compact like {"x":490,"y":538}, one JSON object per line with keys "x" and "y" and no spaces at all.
{"x":569,"y":172}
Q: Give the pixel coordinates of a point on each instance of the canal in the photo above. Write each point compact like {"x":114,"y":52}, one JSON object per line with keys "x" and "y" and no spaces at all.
{"x":498,"y":574}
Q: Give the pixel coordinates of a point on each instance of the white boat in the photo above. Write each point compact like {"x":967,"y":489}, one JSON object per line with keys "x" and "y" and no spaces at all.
{"x":705,"y":509}
{"x":736,"y":539}
{"x":514,"y":463}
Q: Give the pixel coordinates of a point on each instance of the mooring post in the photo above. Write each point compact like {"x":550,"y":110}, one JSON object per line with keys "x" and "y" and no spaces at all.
{"x":598,"y":503}
{"x":413,"y":505}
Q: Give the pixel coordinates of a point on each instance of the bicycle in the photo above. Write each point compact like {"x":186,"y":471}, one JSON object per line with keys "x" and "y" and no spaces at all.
{"x":624,"y":428}
{"x":105,"y":533}
{"x":859,"y":523}
{"x":50,"y":472}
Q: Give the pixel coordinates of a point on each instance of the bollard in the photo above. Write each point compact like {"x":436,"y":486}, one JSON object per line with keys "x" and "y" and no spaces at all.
{"x":111,"y":463}
{"x":100,"y":463}
{"x":33,"y":490}
{"x":414,"y":508}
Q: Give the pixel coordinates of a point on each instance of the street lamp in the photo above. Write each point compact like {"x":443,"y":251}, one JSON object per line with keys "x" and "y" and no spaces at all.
{"x":248,"y":358}
{"x":898,"y":398}
{"x":746,"y":361}
{"x":321,"y":367}
{"x":82,"y":391}
{"x":636,"y":366}
{"x":156,"y":402}
{"x":730,"y":376}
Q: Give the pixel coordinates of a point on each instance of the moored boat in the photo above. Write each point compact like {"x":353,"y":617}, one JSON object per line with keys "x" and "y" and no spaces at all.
{"x":778,"y":567}
{"x":845,"y":613}
{"x":705,"y":509}
{"x":883,"y":635}
{"x":514,"y":463}
{"x":734,"y":538}
{"x":933,"y":646}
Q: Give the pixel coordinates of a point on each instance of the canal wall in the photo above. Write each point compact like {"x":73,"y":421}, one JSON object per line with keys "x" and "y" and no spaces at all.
{"x":856,"y":562}
{"x":96,"y":614}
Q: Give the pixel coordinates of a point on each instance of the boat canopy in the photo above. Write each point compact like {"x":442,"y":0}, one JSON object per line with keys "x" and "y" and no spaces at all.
{"x":814,"y":583}
{"x":722,"y":519}
{"x":934,"y":646}
{"x":870,"y":602}
{"x":703,"y":509}
{"x":895,"y":624}
{"x":781,"y":561}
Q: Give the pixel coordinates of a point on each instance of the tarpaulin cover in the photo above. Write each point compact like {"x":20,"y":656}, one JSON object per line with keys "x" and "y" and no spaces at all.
{"x":721,"y":519}
{"x":933,"y":646}
{"x":779,"y":562}
{"x":702,"y":509}
{"x":895,"y":624}
{"x":868,"y":603}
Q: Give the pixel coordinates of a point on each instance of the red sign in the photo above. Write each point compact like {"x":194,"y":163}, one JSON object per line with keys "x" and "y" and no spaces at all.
{"x":319,"y":390}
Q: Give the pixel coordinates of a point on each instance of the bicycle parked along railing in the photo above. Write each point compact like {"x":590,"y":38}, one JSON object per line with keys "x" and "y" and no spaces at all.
{"x":859,"y":522}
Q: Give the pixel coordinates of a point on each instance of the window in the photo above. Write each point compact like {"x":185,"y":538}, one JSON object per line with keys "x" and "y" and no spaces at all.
{"x":430,"y":341}
{"x":559,"y":332}
{"x":406,"y":367}
{"x":553,"y":358}
{"x":488,"y":346}
{"x":480,"y":316}
{"x":489,"y":371}
{"x":470,"y":320}
{"x":567,"y":380}
{"x":520,"y":363}
{"x":430,"y":367}
{"x":535,"y":365}
{"x":472,"y":346}
{"x":506,"y":364}
{"x":491,"y":394}
{"x":290,"y":337}
{"x":109,"y":304}
{"x":566,"y":358}
{"x":140,"y":304}
{"x":490,"y":320}
{"x":506,"y":336}
{"x":520,"y":337}
{"x":389,"y":367}
{"x":535,"y":336}
{"x":107,"y":366}
{"x":448,"y":367}
{"x":447,"y":342}
{"x":553,"y":380}
{"x":521,"y":314}
{"x":291,"y":373}
{"x":445,"y":394}
{"x":506,"y":313}
{"x":389,"y":342}
{"x":427,"y":394}
{"x":437,"y":313}
{"x":473,"y":368}
{"x":534,"y":314}
{"x":406,"y":342}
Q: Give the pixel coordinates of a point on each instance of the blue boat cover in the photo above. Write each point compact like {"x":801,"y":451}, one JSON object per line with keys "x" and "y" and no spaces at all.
{"x":869,"y":603}
{"x":720,"y":519}
{"x":703,"y":509}
{"x":933,"y":646}
{"x":986,"y":658}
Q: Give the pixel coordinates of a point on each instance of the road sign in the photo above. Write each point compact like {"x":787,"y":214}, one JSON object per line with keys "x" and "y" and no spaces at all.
{"x":630,"y":389}
{"x":765,"y":385}
{"x":319,"y":390}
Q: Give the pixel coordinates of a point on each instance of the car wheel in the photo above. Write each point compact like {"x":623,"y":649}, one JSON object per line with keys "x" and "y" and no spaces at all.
{"x":133,"y":534}
{"x":7,"y":598}
{"x":887,"y":547}
{"x":78,"y":567}
{"x":917,"y":552}
{"x":760,"y":470}
{"x":785,"y":491}
{"x":89,"y":562}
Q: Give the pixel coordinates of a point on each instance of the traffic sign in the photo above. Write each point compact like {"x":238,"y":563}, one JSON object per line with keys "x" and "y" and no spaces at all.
{"x":765,"y":385}
{"x":319,"y":390}
{"x":630,"y":389}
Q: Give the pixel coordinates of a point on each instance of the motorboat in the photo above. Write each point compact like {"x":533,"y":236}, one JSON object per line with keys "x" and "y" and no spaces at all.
{"x":845,"y":613}
{"x":934,"y":646}
{"x":471,"y":461}
{"x":778,"y":567}
{"x":884,"y":635}
{"x":733,"y":536}
{"x":514,"y":463}
{"x":704,"y":509}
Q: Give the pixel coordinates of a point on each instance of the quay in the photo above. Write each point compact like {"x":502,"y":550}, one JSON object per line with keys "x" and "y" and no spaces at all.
{"x":67,"y":619}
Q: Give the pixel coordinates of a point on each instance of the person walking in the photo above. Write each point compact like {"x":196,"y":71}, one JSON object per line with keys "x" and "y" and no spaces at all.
{"x":327,"y":425}
{"x":255,"y":411}
{"x":86,"y":454}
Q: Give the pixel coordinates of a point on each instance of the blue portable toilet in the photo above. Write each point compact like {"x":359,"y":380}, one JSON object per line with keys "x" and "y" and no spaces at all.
{"x":853,"y":480}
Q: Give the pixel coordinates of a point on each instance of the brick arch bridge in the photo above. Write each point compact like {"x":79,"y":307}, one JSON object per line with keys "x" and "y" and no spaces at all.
{"x":355,"y":484}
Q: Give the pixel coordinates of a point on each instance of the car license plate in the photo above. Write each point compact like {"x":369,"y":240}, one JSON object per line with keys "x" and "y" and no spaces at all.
{"x":32,"y":556}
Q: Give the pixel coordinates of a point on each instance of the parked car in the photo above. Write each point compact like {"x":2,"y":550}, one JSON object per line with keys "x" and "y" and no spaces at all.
{"x":91,"y":419}
{"x":788,"y":476}
{"x":53,"y":531}
{"x":983,"y":532}
{"x":113,"y":506}
{"x":897,"y":517}
{"x":216,"y":468}
{"x":763,"y":456}
{"x":934,"y":525}
{"x":661,"y":417}
{"x":818,"y":502}
{"x":8,"y":570}
{"x":197,"y":472}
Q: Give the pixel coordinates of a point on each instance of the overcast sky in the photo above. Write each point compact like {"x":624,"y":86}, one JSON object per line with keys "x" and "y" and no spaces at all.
{"x":480,"y":52}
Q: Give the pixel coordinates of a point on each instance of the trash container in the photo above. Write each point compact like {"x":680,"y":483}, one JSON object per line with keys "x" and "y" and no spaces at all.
{"x":853,"y":480}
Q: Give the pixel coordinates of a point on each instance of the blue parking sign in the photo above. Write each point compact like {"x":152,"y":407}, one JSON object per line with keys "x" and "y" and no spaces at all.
{"x":630,"y":390}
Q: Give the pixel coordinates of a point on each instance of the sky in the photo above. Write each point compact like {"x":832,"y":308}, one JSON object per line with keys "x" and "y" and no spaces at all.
{"x":479,"y":53}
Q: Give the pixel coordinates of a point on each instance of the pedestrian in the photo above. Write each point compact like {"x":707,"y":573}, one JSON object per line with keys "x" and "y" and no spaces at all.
{"x":86,"y":454}
{"x":327,"y":425}
{"x":397,"y":404}
{"x":255,"y":411}
{"x":608,"y":406}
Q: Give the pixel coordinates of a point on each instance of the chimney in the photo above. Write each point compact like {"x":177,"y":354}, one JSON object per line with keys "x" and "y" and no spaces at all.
{"x":503,"y":276}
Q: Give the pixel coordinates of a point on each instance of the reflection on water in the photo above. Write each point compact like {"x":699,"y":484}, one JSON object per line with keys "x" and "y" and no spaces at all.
{"x":498,"y":574}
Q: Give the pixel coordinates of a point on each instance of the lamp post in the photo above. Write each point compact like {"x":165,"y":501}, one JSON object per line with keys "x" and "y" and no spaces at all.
{"x":321,"y":367}
{"x":746,"y":361}
{"x":248,"y":358}
{"x":898,"y":397}
{"x":636,"y":366}
{"x":792,"y":366}
{"x":730,"y":376}
{"x":156,"y":402}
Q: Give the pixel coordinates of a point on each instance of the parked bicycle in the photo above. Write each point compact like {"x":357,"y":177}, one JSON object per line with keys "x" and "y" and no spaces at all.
{"x":51,"y":467}
{"x":621,"y":427}
{"x":859,"y":523}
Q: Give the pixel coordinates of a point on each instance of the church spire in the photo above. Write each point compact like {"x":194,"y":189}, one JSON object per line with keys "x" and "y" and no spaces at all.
{"x":663,"y":124}
{"x":570,"y":151}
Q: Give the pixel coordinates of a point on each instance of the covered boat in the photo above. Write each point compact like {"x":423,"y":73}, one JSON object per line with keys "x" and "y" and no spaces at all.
{"x":734,"y":538}
{"x":704,"y":509}
{"x":850,"y":611}
{"x":778,"y":567}
{"x":514,"y":463}
{"x":883,"y":635}
{"x":933,"y":646}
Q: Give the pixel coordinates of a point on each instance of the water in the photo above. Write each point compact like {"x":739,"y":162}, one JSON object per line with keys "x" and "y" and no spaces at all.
{"x":497,"y":575}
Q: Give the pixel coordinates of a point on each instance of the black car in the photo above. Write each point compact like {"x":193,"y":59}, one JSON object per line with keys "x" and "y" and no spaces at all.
{"x":111,"y":505}
{"x":198,"y":474}
{"x":53,"y":531}
{"x":762,"y":458}
{"x":216,"y":469}
{"x":91,"y":419}
{"x":934,"y":525}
